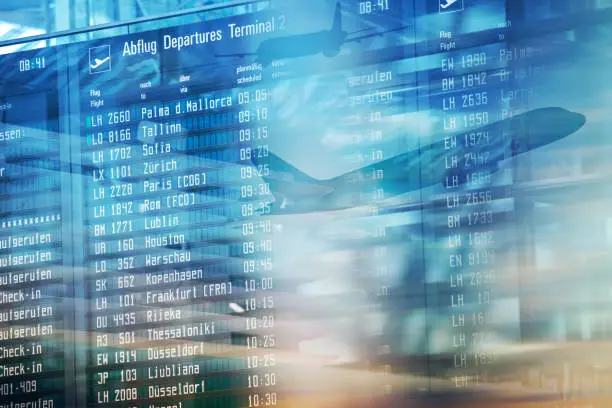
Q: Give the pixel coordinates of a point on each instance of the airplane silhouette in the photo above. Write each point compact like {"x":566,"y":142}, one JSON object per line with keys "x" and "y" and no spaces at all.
{"x":295,"y":192}
{"x":326,"y":42}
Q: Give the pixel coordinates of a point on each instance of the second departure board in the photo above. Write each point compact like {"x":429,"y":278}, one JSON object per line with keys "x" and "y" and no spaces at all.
{"x":35,"y":238}
{"x":332,"y":203}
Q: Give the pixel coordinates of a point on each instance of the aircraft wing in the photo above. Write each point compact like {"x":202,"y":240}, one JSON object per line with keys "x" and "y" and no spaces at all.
{"x":375,"y":34}
{"x":396,"y":175}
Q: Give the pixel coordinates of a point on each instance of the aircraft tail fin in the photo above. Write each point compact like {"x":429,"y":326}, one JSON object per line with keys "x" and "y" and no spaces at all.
{"x":286,"y":181}
{"x":337,"y":26}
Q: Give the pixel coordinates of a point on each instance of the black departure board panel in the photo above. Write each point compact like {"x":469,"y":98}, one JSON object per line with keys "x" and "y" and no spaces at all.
{"x":332,"y":203}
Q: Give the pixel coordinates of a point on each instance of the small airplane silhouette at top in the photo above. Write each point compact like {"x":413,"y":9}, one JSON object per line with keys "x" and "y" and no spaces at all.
{"x":326,"y":42}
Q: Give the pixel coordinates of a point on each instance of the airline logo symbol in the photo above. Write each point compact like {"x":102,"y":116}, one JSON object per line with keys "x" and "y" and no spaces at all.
{"x":450,"y":6}
{"x":99,"y":59}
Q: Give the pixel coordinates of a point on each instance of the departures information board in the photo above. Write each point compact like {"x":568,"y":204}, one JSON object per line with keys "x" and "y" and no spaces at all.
{"x":225,"y":213}
{"x":170,"y":228}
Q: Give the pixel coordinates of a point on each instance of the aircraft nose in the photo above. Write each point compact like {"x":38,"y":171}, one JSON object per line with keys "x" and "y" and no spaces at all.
{"x":580,"y":120}
{"x":573,"y":122}
{"x":566,"y":120}
{"x":548,"y":125}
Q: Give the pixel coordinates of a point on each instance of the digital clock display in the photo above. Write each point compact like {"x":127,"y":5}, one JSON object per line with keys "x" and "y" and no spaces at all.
{"x":373,"y":6}
{"x":30,"y":64}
